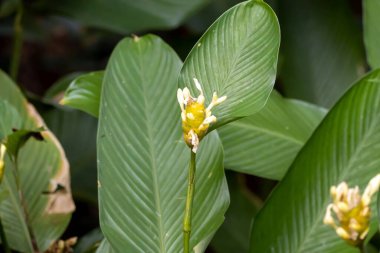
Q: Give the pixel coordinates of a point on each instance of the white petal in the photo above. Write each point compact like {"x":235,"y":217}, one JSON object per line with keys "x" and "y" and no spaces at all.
{"x":372,"y":188}
{"x":328,"y":219}
{"x":198,"y":85}
{"x":209,"y":120}
{"x":220,"y":100}
{"x":180,"y":99}
{"x":2,"y":151}
{"x":194,"y":141}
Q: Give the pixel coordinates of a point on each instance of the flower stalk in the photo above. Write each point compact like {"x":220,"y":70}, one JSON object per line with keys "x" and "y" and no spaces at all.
{"x":189,"y":204}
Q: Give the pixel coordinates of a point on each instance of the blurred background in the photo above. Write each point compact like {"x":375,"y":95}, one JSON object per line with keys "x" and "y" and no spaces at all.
{"x":322,"y":52}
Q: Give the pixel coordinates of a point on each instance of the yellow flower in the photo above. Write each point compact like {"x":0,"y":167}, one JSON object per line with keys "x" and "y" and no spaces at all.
{"x":2,"y":165}
{"x":352,"y":211}
{"x":196,"y":119}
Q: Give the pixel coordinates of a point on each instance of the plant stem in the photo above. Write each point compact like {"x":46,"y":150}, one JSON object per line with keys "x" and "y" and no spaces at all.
{"x":17,"y":43}
{"x":4,"y":241}
{"x":189,"y":205}
{"x":361,"y":248}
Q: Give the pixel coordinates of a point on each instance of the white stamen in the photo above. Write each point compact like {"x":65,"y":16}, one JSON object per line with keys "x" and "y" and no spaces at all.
{"x":201,"y":99}
{"x":328,"y":219}
{"x":220,"y":100}
{"x":180,"y":99}
{"x":372,"y":188}
{"x":186,"y":95}
{"x":183,"y":115}
{"x":198,"y":85}
{"x":209,"y":120}
{"x":2,"y":151}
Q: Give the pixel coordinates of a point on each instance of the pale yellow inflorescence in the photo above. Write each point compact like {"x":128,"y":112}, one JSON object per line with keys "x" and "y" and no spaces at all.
{"x":350,"y":212}
{"x":196,"y":119}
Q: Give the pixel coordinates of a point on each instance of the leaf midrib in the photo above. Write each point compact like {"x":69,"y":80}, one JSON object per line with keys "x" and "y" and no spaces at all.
{"x":367,"y":135}
{"x":157,"y":198}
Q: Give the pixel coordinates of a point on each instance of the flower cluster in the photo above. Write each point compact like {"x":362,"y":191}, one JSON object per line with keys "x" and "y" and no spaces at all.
{"x":196,"y":119}
{"x":351,"y":210}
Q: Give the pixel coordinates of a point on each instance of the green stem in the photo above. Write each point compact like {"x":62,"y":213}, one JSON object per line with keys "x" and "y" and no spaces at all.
{"x":362,"y":248}
{"x":17,"y":43}
{"x":4,"y":241}
{"x":189,"y":205}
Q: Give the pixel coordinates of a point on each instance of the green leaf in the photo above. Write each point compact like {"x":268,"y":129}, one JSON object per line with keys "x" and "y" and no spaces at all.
{"x":9,"y":112}
{"x":322,"y":50}
{"x":345,"y":147}
{"x":236,"y":57}
{"x":84,"y":93}
{"x":371,"y":23}
{"x":266,"y":143}
{"x":126,"y":16}
{"x":41,"y":165}
{"x":233,"y":235}
{"x":143,"y":160}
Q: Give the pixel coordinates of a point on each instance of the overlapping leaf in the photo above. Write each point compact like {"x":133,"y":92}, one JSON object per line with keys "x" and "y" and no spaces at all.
{"x":42,"y":165}
{"x":345,"y":147}
{"x":266,"y":143}
{"x":143,"y":159}
{"x":236,"y":57}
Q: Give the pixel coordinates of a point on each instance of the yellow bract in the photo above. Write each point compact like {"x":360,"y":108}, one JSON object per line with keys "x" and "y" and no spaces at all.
{"x":196,"y":119}
{"x":350,"y":212}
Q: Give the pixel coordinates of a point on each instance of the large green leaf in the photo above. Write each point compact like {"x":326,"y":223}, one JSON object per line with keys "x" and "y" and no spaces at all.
{"x":345,"y":147}
{"x":371,"y":21}
{"x":42,"y":165}
{"x":126,"y":16}
{"x":266,"y":143}
{"x":84,"y":93}
{"x":322,"y":50}
{"x":143,"y":159}
{"x":236,"y":57}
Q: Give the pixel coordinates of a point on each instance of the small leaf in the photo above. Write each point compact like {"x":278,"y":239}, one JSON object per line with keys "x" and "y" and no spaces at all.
{"x":84,"y":93}
{"x":236,"y":57}
{"x":266,"y":143}
{"x":345,"y":147}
